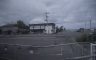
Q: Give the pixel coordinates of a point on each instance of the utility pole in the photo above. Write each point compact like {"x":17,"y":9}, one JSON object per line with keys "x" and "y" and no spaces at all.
{"x":90,"y":24}
{"x":46,"y":15}
{"x":85,"y":25}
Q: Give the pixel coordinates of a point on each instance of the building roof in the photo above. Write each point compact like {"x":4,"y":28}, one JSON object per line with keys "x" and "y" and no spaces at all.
{"x":42,"y":24}
{"x":9,"y":25}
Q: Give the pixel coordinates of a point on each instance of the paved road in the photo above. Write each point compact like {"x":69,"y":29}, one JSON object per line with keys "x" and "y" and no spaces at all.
{"x":39,"y":53}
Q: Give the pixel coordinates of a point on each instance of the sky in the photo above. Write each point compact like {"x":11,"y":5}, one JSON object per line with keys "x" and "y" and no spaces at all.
{"x":71,"y":14}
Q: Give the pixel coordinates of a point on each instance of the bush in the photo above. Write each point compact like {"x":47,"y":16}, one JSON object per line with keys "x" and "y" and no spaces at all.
{"x":87,"y":38}
{"x":0,"y":31}
{"x":83,"y":38}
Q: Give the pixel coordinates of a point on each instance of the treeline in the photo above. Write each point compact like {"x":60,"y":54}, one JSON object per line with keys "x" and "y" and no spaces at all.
{"x":88,"y":38}
{"x":60,"y":29}
{"x":17,"y":28}
{"x":22,"y":27}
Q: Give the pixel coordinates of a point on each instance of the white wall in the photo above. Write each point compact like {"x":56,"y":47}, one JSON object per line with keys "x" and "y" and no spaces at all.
{"x":31,"y":27}
{"x":42,"y":27}
{"x":35,"y":27}
{"x":48,"y":29}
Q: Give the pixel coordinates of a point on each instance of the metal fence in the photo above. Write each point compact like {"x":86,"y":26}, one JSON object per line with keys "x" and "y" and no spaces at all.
{"x":70,"y":51}
{"x":93,"y":51}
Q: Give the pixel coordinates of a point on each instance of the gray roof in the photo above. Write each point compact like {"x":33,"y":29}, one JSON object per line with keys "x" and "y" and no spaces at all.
{"x":9,"y":25}
{"x":42,"y":24}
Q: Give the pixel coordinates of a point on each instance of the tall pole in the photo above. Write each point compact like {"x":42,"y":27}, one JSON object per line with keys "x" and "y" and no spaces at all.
{"x":85,"y":25}
{"x":90,"y":29}
{"x":91,"y":51}
{"x":46,"y":15}
{"x":90,"y":24}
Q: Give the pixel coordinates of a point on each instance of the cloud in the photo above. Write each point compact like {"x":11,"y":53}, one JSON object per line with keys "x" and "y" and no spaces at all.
{"x":69,"y":13}
{"x":37,"y":20}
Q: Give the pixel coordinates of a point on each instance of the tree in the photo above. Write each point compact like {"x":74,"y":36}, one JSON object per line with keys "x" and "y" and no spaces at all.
{"x":64,"y":29}
{"x":0,"y":31}
{"x":83,"y":38}
{"x":22,"y":27}
{"x":21,"y":24}
{"x":57,"y":29}
{"x":61,"y":29}
{"x":87,"y":38}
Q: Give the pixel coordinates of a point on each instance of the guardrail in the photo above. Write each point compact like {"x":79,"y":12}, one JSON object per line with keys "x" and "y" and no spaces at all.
{"x":45,"y":46}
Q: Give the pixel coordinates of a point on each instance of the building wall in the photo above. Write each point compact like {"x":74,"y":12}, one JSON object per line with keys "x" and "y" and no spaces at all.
{"x":10,"y":28}
{"x":48,"y":29}
{"x":37,"y":27}
{"x":42,"y":27}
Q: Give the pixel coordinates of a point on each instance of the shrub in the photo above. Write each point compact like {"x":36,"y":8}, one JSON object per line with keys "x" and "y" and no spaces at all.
{"x":87,"y":38}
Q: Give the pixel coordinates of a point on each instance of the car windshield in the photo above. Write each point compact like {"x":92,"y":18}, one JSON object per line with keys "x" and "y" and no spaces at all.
{"x":47,"y":30}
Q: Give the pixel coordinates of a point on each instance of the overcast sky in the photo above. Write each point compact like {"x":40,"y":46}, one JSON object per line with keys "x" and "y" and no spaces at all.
{"x":69,"y":13}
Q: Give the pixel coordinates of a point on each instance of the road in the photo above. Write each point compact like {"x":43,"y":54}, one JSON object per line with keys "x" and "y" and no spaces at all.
{"x":37,"y":51}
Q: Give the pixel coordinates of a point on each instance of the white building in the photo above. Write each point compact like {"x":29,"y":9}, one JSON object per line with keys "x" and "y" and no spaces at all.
{"x":48,"y":28}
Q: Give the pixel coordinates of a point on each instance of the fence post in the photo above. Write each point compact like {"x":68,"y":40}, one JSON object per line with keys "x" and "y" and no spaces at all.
{"x":61,"y":51}
{"x":91,"y":51}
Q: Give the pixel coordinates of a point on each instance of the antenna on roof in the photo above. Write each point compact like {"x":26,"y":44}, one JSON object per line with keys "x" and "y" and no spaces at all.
{"x":46,"y":15}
